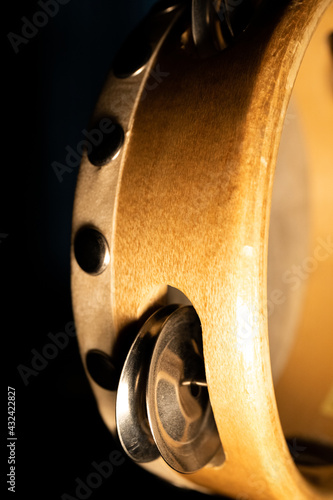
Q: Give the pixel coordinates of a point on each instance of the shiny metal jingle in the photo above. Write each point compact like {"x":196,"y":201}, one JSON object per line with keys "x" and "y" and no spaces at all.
{"x":217,"y":23}
{"x":162,"y":406}
{"x":131,"y":414}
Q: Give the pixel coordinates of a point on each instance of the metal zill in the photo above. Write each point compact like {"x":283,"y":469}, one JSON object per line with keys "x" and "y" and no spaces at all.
{"x":217,"y":23}
{"x":131,"y":415}
{"x":162,"y":406}
{"x":178,"y":405}
{"x":205,"y":35}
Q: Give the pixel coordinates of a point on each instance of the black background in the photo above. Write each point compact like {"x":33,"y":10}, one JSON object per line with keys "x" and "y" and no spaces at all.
{"x":49,"y":91}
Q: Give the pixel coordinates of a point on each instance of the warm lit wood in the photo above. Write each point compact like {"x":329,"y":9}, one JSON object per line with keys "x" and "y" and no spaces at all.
{"x":188,"y":205}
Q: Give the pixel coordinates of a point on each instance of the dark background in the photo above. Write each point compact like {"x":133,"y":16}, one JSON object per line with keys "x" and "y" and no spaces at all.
{"x":49,"y":91}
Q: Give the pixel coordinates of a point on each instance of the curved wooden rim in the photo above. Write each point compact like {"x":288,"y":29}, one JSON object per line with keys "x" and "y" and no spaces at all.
{"x":192,"y":211}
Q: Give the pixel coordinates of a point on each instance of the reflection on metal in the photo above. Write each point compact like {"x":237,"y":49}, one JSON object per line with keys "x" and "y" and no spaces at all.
{"x":131,"y":416}
{"x":162,"y":403}
{"x":179,"y":412}
{"x":216,"y":23}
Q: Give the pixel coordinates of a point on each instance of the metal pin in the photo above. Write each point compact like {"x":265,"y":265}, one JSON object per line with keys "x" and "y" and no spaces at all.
{"x":201,"y":383}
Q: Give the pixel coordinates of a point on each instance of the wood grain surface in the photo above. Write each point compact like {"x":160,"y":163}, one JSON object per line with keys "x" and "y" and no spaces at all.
{"x":187,"y":204}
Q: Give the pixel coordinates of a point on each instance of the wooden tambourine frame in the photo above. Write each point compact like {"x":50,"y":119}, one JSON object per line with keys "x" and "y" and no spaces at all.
{"x":187,"y":204}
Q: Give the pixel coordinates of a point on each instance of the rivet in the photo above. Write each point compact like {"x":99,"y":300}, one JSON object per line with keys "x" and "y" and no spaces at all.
{"x":91,"y":250}
{"x":102,"y":369}
{"x":108,"y":148}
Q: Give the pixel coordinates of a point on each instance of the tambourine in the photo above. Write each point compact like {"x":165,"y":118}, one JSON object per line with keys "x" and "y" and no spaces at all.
{"x":202,"y":248}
